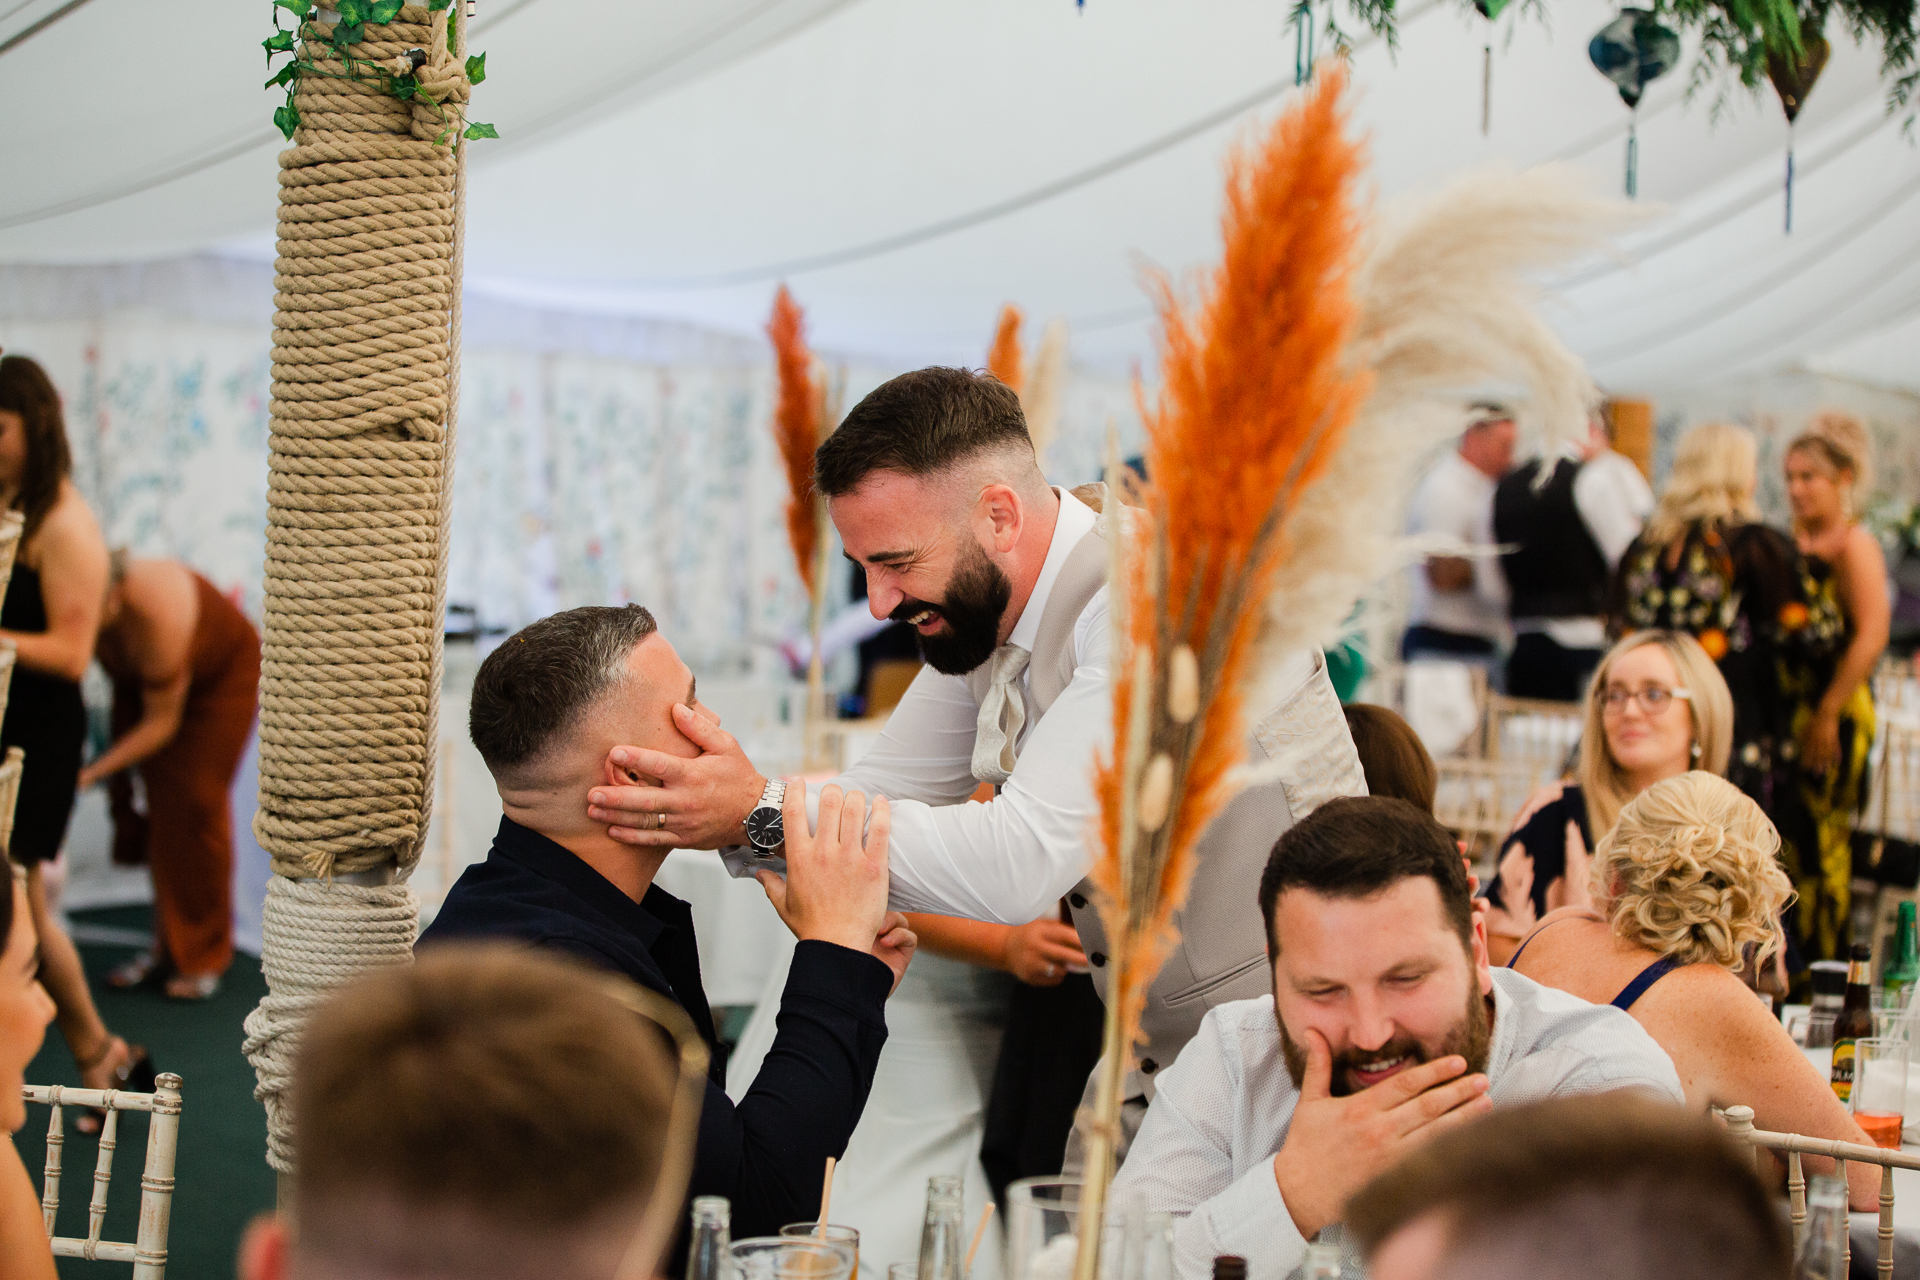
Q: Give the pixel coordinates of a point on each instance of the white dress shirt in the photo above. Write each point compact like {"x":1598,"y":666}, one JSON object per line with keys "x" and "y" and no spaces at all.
{"x":1205,"y":1151}
{"x":1455,"y":501}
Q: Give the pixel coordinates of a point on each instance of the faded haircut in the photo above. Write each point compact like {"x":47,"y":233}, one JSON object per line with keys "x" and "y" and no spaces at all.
{"x":543,"y":677}
{"x":920,"y":424}
{"x":489,"y":1111}
{"x":1611,"y":1186}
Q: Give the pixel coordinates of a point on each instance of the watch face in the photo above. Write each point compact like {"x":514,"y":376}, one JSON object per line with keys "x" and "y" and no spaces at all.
{"x":765,"y":830}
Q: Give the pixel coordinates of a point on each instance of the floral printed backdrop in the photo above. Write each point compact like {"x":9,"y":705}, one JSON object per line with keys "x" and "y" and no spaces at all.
{"x":605,"y":473}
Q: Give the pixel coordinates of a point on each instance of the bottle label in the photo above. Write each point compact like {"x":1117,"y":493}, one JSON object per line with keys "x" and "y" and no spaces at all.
{"x":1842,"y":1077}
{"x":1859,"y":973}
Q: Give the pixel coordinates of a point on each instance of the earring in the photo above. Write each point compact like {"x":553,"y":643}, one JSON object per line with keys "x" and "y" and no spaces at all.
{"x":1696,"y":751}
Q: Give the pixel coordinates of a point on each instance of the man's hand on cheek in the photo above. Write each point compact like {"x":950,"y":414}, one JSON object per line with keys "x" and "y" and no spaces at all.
{"x":1335,"y":1146}
{"x":705,"y":798}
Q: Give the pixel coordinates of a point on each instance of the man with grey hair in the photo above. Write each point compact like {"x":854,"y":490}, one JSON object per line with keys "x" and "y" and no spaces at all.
{"x":548,"y":706}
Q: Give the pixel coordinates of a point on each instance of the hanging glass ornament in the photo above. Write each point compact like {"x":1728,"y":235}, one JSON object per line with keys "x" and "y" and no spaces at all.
{"x":1632,"y":51}
{"x":1302,"y":41}
{"x":1490,"y":10}
{"x":1793,"y":81}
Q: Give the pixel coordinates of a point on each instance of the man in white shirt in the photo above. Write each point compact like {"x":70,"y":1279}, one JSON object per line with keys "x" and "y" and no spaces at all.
{"x":1565,"y":535}
{"x":1459,"y":607}
{"x":1386,"y":1027}
{"x":932,"y":483}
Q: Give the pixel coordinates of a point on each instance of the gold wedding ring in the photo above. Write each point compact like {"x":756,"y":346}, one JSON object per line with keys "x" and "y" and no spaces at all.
{"x":661,"y":825}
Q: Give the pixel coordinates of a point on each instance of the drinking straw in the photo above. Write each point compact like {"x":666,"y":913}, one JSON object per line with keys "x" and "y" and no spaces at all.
{"x":979,"y":1233}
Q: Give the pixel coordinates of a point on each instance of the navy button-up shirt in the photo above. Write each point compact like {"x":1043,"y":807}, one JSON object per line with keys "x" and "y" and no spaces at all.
{"x":767,"y":1154}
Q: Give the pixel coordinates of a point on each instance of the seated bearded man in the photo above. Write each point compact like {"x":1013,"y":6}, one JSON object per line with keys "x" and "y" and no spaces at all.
{"x":1386,"y":1026}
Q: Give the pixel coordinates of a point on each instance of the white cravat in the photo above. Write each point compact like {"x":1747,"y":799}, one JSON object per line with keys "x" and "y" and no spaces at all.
{"x":1002,"y":714}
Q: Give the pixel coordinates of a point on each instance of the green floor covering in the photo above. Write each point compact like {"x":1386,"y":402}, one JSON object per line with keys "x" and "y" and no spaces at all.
{"x":222,"y":1175}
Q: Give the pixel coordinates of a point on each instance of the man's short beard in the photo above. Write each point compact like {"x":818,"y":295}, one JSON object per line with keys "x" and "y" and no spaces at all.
{"x":976,"y":600}
{"x":1471,"y":1038}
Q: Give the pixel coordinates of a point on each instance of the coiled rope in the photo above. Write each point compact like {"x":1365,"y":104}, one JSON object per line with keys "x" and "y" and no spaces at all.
{"x":365,"y":373}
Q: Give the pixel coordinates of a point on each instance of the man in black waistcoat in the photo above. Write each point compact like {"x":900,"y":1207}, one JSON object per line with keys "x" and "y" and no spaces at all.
{"x":1566,"y":535}
{"x":548,"y":706}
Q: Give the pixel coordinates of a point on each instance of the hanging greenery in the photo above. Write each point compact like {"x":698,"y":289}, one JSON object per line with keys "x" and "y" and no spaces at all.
{"x":333,"y":42}
{"x":1736,"y":36}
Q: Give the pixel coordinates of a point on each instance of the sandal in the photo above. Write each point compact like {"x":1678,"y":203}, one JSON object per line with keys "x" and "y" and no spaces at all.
{"x":136,"y":1075}
{"x":143,"y":968}
{"x":182,"y":986}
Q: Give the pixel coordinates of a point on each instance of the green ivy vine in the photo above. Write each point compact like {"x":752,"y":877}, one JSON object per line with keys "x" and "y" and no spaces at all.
{"x":354,"y":16}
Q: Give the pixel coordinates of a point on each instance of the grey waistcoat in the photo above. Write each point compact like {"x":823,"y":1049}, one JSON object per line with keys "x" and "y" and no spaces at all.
{"x":1221,"y":955}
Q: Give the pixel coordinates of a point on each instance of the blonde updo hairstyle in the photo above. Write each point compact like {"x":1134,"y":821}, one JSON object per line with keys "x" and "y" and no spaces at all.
{"x":1839,"y":440}
{"x":1603,"y":783}
{"x":1691,"y":872}
{"x":1715,"y":471}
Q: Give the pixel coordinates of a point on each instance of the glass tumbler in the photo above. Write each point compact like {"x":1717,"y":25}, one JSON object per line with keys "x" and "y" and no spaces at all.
{"x":1879,"y":1099}
{"x":848,"y":1238}
{"x":791,"y":1258}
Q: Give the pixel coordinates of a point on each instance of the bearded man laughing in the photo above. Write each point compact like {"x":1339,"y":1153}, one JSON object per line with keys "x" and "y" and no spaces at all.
{"x":1386,"y":1027}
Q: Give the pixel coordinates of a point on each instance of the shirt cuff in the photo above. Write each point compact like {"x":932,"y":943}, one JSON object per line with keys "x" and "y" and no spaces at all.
{"x":842,"y":977}
{"x":1251,"y":1218}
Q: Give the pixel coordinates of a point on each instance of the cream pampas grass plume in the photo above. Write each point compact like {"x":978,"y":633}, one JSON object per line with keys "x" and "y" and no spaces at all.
{"x":1046,"y":387}
{"x":1446,"y":299}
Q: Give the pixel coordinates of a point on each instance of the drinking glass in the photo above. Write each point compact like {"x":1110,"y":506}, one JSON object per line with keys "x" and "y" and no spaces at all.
{"x":1043,"y":1223}
{"x":1879,"y":1096}
{"x":791,"y":1258}
{"x":848,"y":1238}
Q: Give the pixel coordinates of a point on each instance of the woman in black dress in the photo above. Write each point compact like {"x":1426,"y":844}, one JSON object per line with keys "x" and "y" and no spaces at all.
{"x":50,"y":616}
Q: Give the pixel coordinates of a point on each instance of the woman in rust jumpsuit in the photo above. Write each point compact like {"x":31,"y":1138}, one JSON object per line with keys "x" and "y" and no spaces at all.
{"x":185,"y":664}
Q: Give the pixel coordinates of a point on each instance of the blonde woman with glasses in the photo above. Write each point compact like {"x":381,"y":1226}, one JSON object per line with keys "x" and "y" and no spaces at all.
{"x":1657,"y":707}
{"x":1684,"y":888}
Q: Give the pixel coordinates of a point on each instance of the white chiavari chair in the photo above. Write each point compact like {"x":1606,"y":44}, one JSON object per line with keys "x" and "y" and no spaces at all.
{"x":1477,"y":800}
{"x":1892,"y":813}
{"x":1541,"y":733}
{"x":1740,"y":1125}
{"x":148,"y":1251}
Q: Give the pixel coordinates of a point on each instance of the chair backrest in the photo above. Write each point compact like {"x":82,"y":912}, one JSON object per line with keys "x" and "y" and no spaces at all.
{"x":1532,"y":729}
{"x":1893,"y":796}
{"x":148,"y":1252}
{"x":1740,"y":1125}
{"x":10,"y":769}
{"x":1477,"y":799}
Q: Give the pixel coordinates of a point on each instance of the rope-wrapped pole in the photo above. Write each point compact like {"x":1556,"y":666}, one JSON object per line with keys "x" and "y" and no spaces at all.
{"x":359,"y":463}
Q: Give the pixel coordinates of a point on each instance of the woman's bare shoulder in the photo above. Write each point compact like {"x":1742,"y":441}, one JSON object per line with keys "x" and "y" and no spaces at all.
{"x":68,"y":530}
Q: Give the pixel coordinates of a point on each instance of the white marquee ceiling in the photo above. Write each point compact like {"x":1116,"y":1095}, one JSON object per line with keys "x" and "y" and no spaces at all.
{"x":909,"y":165}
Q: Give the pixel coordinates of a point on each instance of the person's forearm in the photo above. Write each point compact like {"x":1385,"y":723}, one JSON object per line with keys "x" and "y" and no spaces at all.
{"x":807,"y":1098}
{"x":136,"y":745}
{"x":51,"y":652}
{"x":1856,"y":664}
{"x":974,"y":941}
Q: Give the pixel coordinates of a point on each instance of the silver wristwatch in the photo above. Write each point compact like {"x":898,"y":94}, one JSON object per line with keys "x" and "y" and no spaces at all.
{"x":766,"y":828}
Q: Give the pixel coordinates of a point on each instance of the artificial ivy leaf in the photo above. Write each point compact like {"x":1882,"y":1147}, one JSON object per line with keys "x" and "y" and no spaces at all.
{"x":353,"y":10}
{"x":475,"y":131}
{"x":435,"y":6}
{"x":404,"y":87}
{"x":386,"y":10}
{"x":283,"y":76}
{"x":299,"y":8}
{"x":278,"y":42}
{"x":348,"y":33}
{"x":476,"y":68}
{"x":288,"y":119}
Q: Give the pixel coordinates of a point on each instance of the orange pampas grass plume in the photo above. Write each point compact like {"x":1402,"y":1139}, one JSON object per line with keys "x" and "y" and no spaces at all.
{"x":1004,"y":360}
{"x":796,"y":427}
{"x":1256,"y":395}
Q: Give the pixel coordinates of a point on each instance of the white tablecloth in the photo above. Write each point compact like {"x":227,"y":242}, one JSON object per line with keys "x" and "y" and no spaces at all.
{"x":741,"y":938}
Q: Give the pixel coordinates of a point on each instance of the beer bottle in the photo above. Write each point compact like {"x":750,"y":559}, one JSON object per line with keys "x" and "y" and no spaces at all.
{"x":1855,"y":1021}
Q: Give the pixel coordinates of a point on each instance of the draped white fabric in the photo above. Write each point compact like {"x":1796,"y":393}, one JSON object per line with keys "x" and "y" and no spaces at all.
{"x":910,"y":166}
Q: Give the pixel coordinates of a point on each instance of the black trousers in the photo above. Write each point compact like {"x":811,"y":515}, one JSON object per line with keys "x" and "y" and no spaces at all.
{"x":1050,"y":1046}
{"x":1540,"y":667}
